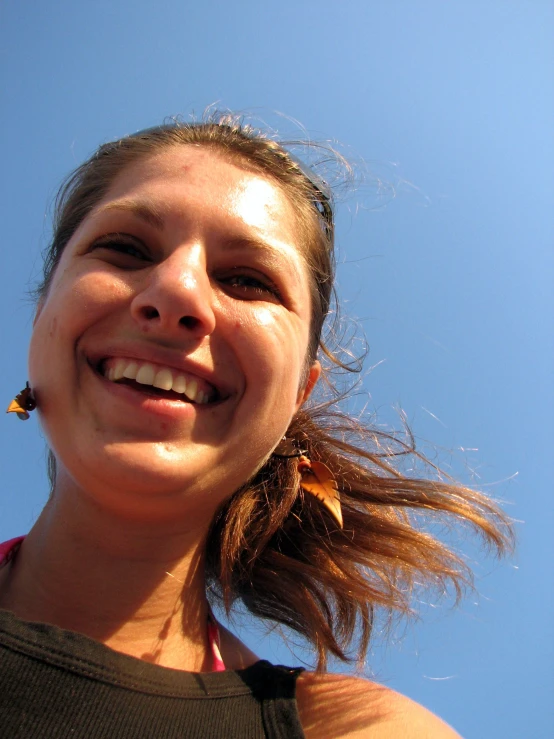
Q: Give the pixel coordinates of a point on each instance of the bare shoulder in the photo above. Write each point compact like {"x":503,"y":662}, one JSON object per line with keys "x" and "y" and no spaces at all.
{"x":353,"y":708}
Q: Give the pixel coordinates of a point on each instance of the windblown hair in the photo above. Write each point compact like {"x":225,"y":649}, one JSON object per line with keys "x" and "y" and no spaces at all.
{"x":271,"y":545}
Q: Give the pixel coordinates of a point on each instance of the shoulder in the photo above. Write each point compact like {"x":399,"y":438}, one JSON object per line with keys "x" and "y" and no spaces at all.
{"x":354,"y":708}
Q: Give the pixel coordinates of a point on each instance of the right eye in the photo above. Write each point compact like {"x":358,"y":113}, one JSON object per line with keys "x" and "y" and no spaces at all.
{"x":124,"y":249}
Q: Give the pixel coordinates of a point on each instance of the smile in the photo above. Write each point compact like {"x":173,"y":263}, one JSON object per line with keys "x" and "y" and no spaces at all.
{"x":165,"y":381}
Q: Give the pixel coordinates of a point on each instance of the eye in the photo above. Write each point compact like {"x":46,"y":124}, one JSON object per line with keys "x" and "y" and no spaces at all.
{"x":251,"y":286}
{"x":124,"y":250}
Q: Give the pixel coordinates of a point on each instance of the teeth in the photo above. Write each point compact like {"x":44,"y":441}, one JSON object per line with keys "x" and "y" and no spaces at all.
{"x":162,"y":378}
{"x":130,"y":371}
{"x":145,"y":375}
{"x":118,"y":370}
{"x":179,"y":384}
{"x":192,"y":390}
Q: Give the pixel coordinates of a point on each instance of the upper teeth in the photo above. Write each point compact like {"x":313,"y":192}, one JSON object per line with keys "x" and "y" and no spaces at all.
{"x":164,"y":378}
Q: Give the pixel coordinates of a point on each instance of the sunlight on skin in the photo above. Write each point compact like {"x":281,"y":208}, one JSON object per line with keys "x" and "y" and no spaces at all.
{"x":257,"y":203}
{"x":264,"y":317}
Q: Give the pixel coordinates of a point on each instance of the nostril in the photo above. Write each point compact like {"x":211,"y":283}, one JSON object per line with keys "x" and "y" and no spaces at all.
{"x":189,"y":322}
{"x":149,"y":312}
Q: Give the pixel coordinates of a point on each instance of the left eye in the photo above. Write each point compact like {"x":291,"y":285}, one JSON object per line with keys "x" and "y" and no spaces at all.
{"x":251,"y":285}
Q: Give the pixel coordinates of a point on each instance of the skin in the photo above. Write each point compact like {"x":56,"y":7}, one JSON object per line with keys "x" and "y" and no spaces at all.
{"x":192,"y":262}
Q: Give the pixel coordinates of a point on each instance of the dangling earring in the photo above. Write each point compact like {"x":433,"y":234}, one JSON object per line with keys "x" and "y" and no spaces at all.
{"x":23,"y":403}
{"x":315,"y":478}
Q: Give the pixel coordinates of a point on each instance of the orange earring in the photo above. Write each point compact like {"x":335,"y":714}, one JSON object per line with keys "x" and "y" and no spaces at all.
{"x":23,"y":403}
{"x":315,"y":478}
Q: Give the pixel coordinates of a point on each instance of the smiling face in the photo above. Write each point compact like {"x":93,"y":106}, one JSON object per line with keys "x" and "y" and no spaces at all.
{"x":168,"y":356}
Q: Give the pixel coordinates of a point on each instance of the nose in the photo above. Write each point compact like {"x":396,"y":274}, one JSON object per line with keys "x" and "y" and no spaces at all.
{"x":177,"y":295}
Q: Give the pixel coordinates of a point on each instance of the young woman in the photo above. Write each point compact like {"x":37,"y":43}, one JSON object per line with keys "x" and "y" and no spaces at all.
{"x":175,"y":348}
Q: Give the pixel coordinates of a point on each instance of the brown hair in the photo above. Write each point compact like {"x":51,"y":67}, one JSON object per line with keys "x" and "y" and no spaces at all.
{"x":271,"y":545}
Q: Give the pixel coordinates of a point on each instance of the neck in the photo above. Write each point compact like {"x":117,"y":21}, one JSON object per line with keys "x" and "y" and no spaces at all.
{"x":137,"y":587}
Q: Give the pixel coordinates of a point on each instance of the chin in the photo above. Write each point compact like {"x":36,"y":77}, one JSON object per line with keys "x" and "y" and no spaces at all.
{"x":150,"y":484}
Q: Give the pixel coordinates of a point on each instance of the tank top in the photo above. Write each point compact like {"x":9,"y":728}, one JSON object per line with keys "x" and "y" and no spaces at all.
{"x":56,"y":683}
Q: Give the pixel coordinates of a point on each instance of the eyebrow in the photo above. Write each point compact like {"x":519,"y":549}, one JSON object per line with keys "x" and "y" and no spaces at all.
{"x":151,"y":215}
{"x":145,"y":211}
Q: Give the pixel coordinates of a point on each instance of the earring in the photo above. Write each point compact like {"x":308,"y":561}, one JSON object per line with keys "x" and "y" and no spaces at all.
{"x":315,"y":478}
{"x":23,"y":403}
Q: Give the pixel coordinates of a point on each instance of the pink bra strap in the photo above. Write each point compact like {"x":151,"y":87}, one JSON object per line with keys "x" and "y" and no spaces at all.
{"x":8,"y":550}
{"x":214,"y":641}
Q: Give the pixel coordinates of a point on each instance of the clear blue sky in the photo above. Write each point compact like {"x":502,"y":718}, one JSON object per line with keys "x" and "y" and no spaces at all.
{"x":451,"y":101}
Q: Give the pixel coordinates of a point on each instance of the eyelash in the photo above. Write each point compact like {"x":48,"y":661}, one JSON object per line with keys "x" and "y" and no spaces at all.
{"x":263,"y":285}
{"x":118,"y":243}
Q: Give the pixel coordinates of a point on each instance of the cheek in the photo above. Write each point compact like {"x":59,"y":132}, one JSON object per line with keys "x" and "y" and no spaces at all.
{"x":74,"y":304}
{"x":271,"y":348}
{"x":264,"y":317}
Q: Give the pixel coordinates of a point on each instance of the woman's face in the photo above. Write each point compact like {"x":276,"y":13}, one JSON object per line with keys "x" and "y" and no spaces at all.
{"x":188,"y":276}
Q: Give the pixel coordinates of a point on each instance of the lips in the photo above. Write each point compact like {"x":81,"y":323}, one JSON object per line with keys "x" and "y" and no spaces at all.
{"x":158,"y":379}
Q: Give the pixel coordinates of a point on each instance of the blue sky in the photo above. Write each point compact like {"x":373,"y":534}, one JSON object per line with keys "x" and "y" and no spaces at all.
{"x":451,"y":103}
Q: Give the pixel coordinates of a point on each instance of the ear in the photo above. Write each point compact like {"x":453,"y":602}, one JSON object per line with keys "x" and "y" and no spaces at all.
{"x":311,"y":381}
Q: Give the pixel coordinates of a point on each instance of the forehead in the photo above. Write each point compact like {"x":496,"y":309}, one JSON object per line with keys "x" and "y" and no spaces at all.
{"x":183,"y":176}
